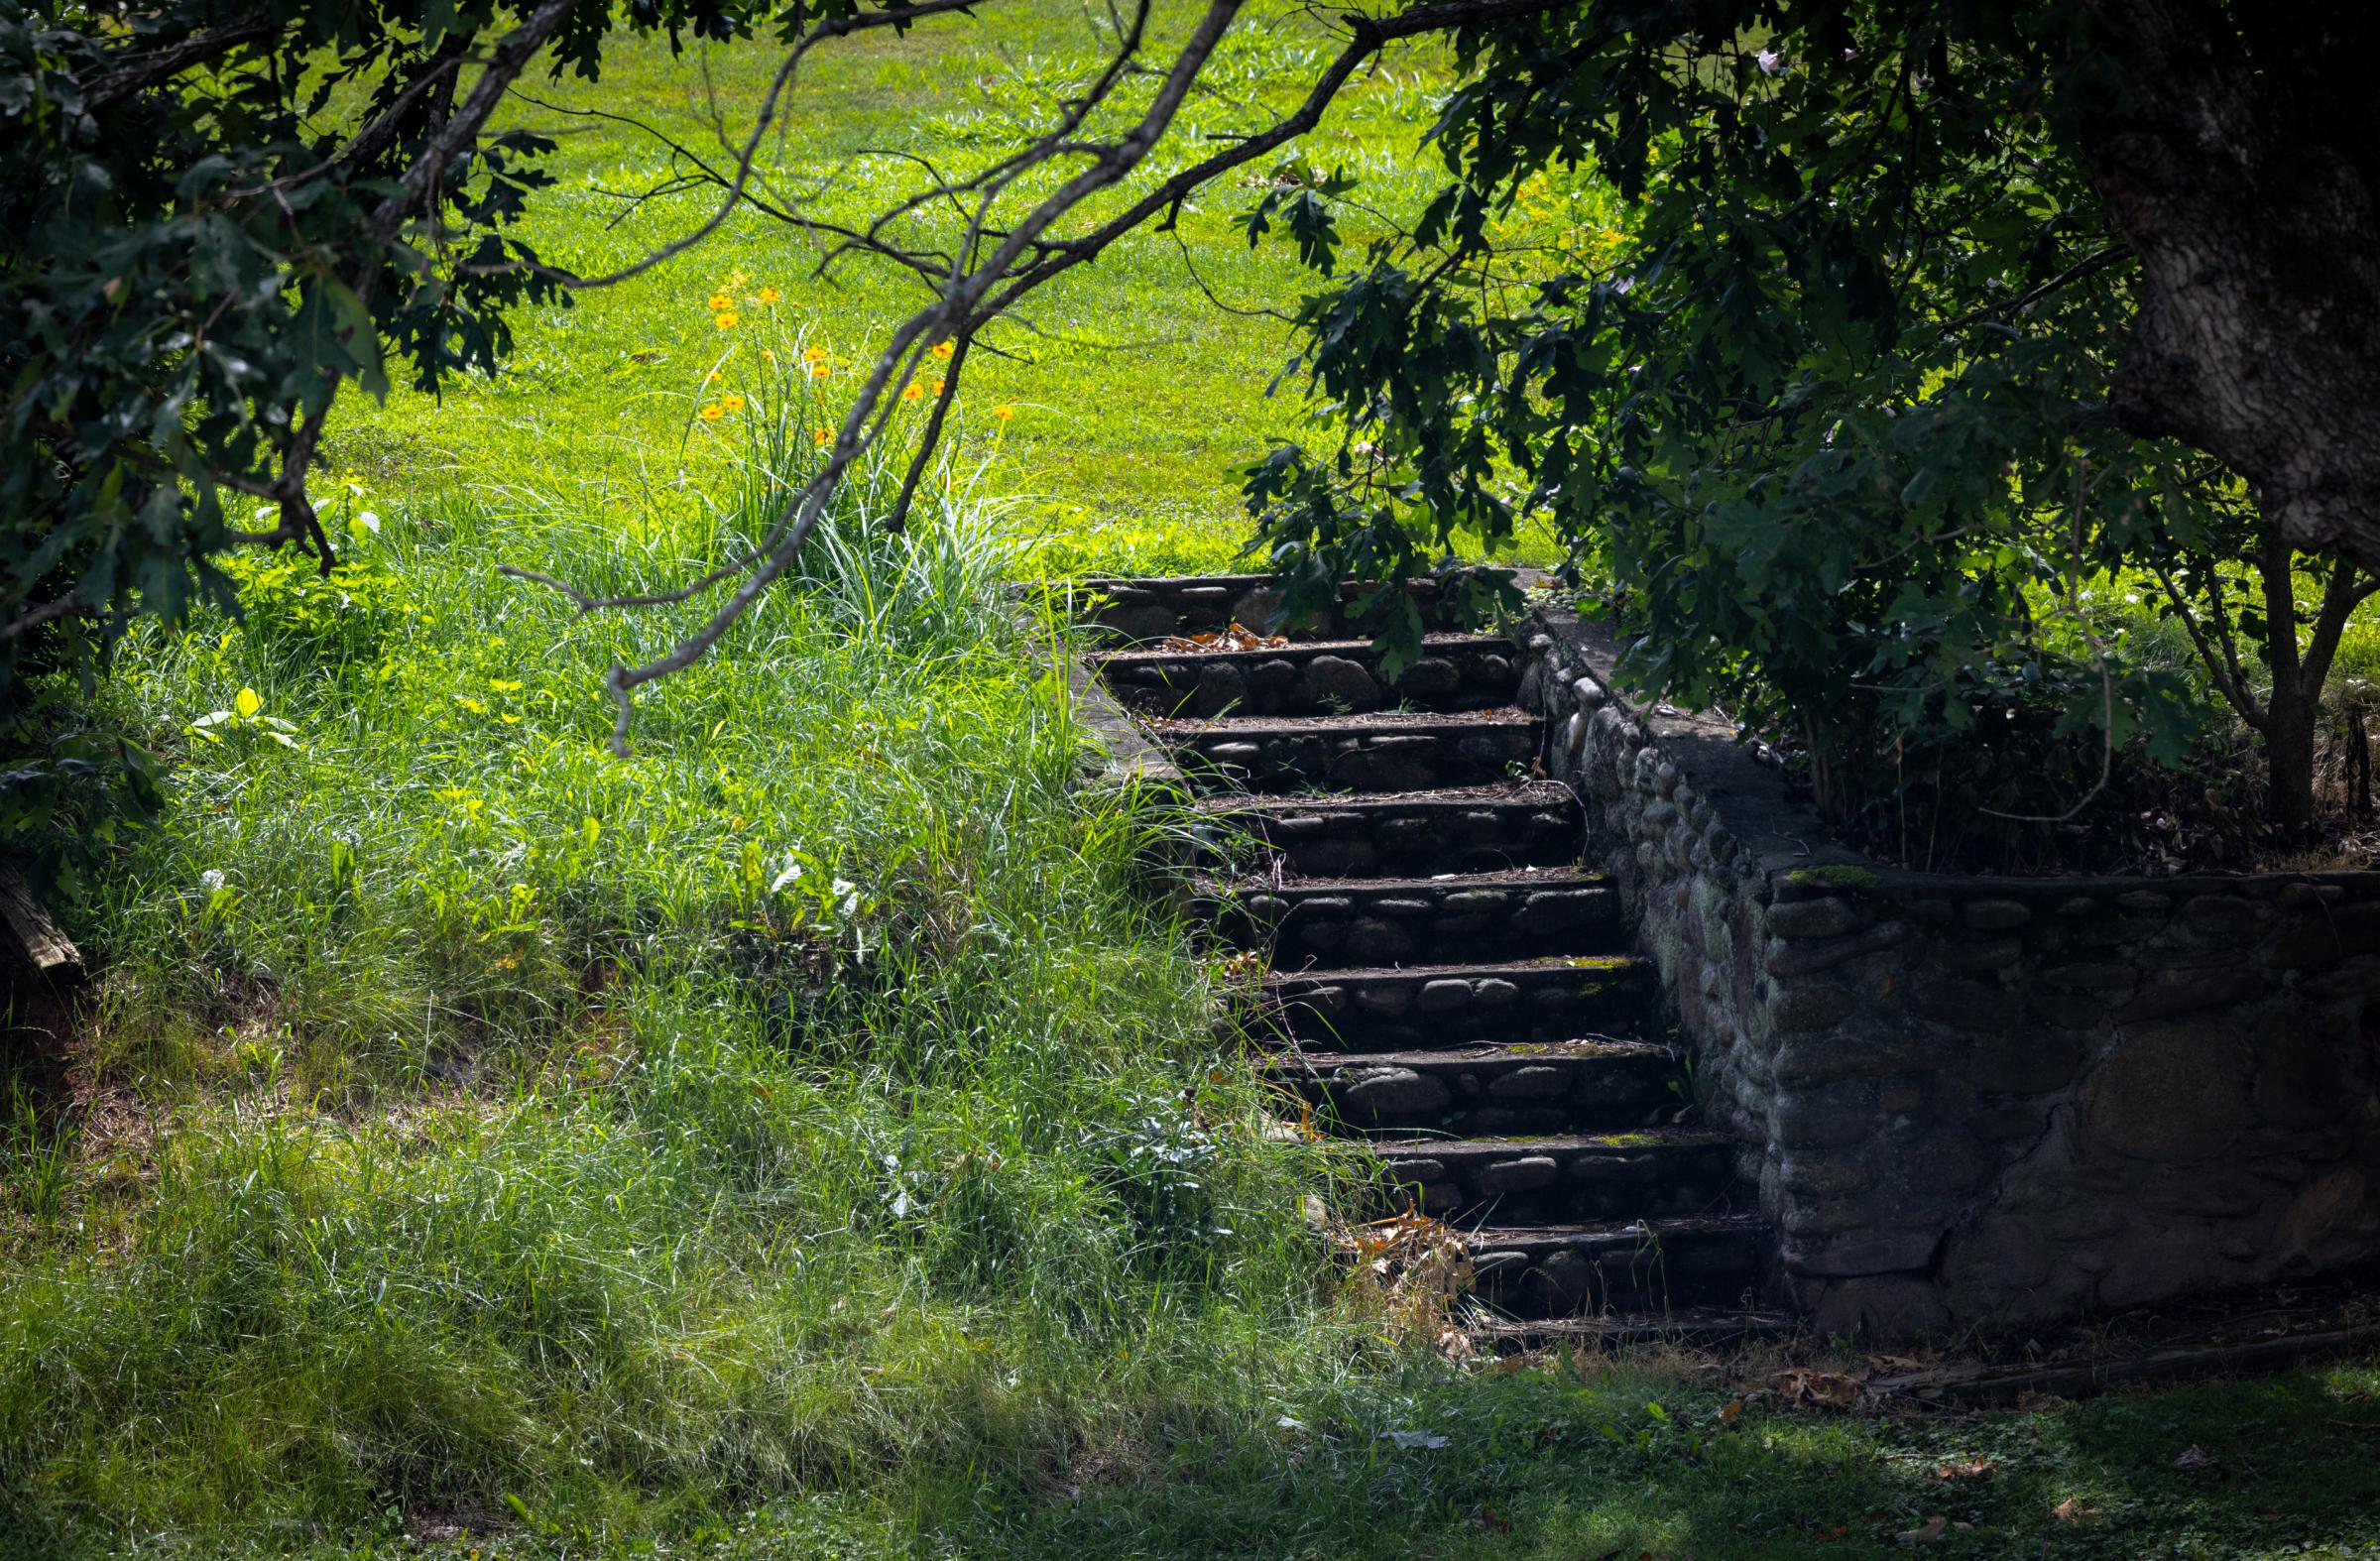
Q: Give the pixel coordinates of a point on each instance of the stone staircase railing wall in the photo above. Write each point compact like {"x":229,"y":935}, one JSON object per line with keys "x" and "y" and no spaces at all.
{"x":1985,"y":1101}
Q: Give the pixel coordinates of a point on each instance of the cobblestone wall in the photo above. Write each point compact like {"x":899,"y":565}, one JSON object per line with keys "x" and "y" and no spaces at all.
{"x":1978,"y":1100}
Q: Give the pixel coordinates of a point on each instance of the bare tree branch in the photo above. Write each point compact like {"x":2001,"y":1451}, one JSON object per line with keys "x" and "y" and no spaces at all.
{"x":164,"y":64}
{"x":990,"y":269}
{"x":947,"y":316}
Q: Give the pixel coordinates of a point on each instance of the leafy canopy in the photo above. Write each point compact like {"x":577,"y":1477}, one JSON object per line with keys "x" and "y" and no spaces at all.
{"x":1796,"y":320}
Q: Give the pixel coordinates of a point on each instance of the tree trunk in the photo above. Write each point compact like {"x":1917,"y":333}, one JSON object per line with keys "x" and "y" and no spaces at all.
{"x":2237,"y":148}
{"x":2288,"y":761}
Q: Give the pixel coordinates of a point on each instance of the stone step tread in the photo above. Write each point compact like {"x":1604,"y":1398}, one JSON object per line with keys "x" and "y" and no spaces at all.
{"x":1520,"y":795}
{"x":1556,"y":965}
{"x":1526,"y":1239}
{"x":1586,"y":1050}
{"x":1376,"y":723}
{"x":1647,"y":1141}
{"x":1357,"y":835}
{"x":1148,"y":655}
{"x":1706,"y":1327}
{"x":1299,"y":885}
{"x":1385,"y":1007}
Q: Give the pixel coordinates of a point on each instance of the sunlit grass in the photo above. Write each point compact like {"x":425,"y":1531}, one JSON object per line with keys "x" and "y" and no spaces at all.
{"x":1136,"y":398}
{"x":469,"y":1114}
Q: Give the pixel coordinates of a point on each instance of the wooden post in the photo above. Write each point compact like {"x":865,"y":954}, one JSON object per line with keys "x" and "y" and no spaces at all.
{"x":41,"y":973}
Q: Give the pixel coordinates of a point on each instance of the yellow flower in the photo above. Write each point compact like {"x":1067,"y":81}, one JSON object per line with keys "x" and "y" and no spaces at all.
{"x":914,"y":392}
{"x":731,"y":403}
{"x":813,"y":354}
{"x":769,"y":357}
{"x":711,"y":377}
{"x":725,"y":319}
{"x":935,"y":389}
{"x":768,"y":295}
{"x":720,"y":301}
{"x":821,"y":434}
{"x":1004,"y":414}
{"x":943,"y":349}
{"x":819,"y":371}
{"x":712,"y":411}
{"x":734,"y":277}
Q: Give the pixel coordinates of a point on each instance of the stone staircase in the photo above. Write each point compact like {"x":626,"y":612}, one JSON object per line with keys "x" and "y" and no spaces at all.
{"x":1445,"y":980}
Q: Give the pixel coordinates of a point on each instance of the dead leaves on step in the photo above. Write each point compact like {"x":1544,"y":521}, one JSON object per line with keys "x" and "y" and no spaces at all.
{"x":1239,"y":636}
{"x":1851,"y":1387}
{"x":1242,"y":971}
{"x":1409,"y":1271}
{"x":1806,"y":1388}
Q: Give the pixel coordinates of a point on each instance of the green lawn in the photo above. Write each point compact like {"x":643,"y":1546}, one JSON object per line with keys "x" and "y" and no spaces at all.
{"x":809,"y":1135}
{"x":1134,"y":397}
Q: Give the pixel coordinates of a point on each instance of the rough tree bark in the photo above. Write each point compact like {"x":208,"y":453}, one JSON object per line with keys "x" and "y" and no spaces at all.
{"x":2236,"y":145}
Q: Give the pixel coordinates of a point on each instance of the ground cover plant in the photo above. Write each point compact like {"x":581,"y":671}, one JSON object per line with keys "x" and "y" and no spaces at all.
{"x":469,"y":1112}
{"x":807,"y":1133}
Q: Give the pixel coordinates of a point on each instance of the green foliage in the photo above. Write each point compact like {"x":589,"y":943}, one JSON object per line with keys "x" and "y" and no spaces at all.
{"x":211,"y":218}
{"x":1797,"y":324}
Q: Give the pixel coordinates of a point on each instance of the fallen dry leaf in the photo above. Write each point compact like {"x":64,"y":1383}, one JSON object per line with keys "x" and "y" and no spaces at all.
{"x":1732,"y":1414}
{"x":1973,"y":1468}
{"x":1926,"y":1533}
{"x":1832,"y":1389}
{"x":2073,"y":1509}
{"x":2197,"y":1455}
{"x":1238,"y":637}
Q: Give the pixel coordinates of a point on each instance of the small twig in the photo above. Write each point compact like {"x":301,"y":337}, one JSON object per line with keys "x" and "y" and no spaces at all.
{"x":42,"y":614}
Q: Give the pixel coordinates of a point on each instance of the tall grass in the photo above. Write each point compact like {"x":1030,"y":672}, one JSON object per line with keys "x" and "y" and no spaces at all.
{"x":470,"y":1118}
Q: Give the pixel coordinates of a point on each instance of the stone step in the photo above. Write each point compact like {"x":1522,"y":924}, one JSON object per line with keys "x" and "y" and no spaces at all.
{"x":1547,"y":1179}
{"x":1641,"y":1270}
{"x":1402,"y":752}
{"x":1427,"y":1007}
{"x":1317,"y":677}
{"x":1562,"y":1086}
{"x":1156,"y":607}
{"x":1703,"y":1328}
{"x":1517,"y":823}
{"x":1380,"y":920}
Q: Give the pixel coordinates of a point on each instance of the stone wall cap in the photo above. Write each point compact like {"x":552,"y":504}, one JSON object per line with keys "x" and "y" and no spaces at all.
{"x":1785,"y":835}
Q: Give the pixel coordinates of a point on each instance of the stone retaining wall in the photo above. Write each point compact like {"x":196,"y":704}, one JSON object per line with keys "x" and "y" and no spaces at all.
{"x":1987,"y":1101}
